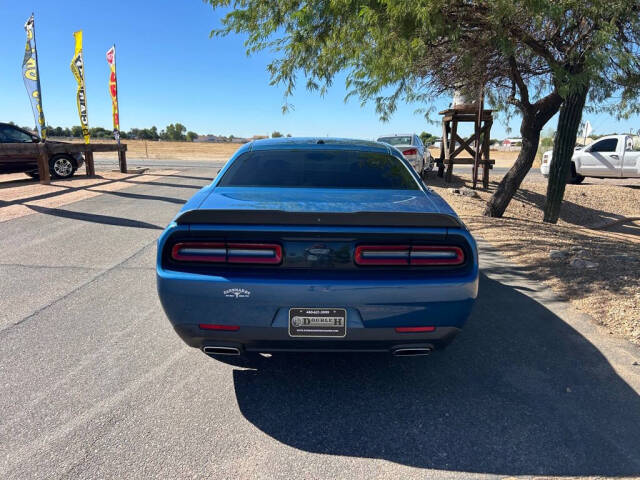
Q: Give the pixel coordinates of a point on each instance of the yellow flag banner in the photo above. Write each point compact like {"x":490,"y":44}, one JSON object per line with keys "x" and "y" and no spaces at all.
{"x":31,"y":76}
{"x":113,"y":90}
{"x":77,"y":67}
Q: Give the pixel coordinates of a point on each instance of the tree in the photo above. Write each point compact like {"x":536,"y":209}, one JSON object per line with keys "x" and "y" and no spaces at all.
{"x":276,"y":134}
{"x":191,"y":136}
{"x":414,"y":50}
{"x":175,"y":132}
{"x":418,"y":49}
{"x":592,"y":49}
{"x":76,"y":131}
{"x":428,"y":138}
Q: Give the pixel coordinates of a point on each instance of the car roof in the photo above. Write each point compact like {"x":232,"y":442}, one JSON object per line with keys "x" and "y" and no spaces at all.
{"x":316,"y":143}
{"x":397,"y":135}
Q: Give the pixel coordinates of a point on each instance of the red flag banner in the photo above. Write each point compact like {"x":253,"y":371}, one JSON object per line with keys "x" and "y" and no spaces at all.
{"x":113,"y":90}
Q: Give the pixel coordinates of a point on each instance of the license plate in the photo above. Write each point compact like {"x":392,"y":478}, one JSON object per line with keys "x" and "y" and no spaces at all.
{"x":317,"y":322}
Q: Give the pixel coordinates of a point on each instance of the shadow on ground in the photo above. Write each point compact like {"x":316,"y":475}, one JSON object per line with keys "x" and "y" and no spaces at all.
{"x":519,"y":392}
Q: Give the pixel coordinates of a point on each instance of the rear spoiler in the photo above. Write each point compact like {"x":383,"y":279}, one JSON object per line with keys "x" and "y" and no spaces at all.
{"x":355,"y":219}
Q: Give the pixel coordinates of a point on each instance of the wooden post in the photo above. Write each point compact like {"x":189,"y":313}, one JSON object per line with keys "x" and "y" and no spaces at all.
{"x":443,"y":148}
{"x":89,"y":165}
{"x":43,"y":164}
{"x":486,"y":166}
{"x":477,"y":153}
{"x":452,"y":148}
{"x":122,"y":158}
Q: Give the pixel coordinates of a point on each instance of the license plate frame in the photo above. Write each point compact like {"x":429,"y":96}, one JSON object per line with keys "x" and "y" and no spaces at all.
{"x":315,"y":322}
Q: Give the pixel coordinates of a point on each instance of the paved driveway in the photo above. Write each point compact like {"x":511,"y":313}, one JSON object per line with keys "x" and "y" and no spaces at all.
{"x":95,"y":384}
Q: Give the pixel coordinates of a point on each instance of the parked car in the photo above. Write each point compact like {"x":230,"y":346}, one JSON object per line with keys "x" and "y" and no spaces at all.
{"x":62,"y":165}
{"x":613,"y":156}
{"x":411,"y":146}
{"x":317,"y":245}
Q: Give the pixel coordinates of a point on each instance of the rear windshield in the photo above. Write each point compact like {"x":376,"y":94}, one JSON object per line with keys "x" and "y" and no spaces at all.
{"x":318,"y":169}
{"x":396,"y":140}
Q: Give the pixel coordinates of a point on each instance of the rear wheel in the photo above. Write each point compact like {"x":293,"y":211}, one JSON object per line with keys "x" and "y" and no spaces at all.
{"x":62,"y":166}
{"x":428,"y":164}
{"x":574,"y":177}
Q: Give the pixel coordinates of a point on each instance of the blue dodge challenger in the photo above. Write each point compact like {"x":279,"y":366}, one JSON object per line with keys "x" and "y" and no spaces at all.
{"x":305,"y":244}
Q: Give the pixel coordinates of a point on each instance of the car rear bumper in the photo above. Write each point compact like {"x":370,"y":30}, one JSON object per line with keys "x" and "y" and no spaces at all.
{"x":261,"y":311}
{"x":261,"y":339}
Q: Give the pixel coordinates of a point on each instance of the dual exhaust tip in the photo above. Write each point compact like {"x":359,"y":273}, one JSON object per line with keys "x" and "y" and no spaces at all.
{"x":403,"y":351}
{"x":412,"y":351}
{"x":219,"y":350}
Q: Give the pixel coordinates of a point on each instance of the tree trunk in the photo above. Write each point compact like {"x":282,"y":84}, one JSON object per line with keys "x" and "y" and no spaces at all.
{"x":511,"y":181}
{"x":563,"y":148}
{"x":534,"y":118}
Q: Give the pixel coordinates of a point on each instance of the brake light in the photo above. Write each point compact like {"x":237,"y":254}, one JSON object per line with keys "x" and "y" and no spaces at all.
{"x":222,"y":252}
{"x":418,"y":255}
{"x":414,"y":329}
{"x":411,"y":151}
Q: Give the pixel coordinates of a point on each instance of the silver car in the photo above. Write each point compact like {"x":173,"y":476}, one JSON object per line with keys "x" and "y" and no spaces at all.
{"x":412,"y":148}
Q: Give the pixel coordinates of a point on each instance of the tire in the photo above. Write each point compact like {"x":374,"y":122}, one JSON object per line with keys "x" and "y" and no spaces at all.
{"x":62,"y":166}
{"x":429,"y":167}
{"x":574,"y":177}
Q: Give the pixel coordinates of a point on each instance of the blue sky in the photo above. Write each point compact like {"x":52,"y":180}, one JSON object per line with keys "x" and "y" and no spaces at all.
{"x":169,"y":70}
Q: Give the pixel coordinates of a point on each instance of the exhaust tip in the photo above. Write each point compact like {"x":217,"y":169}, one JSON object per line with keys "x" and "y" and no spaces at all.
{"x":217,"y":350}
{"x":412,"y":351}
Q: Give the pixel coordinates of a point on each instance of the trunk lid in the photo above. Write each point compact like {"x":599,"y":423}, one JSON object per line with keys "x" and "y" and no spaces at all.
{"x":323,"y":200}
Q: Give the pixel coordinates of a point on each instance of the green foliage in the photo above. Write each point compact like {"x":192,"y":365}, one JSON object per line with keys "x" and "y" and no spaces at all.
{"x":99,"y":132}
{"x":174,"y":132}
{"x":76,"y":131}
{"x":546,"y":142}
{"x":191,"y":136}
{"x":144,"y":133}
{"x":428,"y":138}
{"x":276,"y":134}
{"x":411,"y":50}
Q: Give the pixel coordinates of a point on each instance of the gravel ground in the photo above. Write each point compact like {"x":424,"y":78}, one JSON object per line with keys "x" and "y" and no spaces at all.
{"x":597,"y":269}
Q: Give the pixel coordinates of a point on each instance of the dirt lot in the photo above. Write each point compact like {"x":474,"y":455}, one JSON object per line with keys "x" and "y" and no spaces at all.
{"x":502,"y":159}
{"x":142,"y":149}
{"x":606,"y":284}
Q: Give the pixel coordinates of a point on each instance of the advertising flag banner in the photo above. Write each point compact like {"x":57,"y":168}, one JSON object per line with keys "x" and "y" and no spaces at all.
{"x":31,"y":76}
{"x":77,"y":67}
{"x":113,"y":90}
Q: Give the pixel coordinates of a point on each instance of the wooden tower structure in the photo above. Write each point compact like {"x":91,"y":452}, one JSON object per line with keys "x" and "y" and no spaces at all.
{"x":477,"y":146}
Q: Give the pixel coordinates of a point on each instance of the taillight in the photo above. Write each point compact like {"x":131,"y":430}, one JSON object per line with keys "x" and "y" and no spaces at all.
{"x":411,"y":151}
{"x":221,"y":252}
{"x":418,"y":255}
{"x":254,"y":253}
{"x":382,"y":255}
{"x":199,"y":252}
{"x":435,"y":255}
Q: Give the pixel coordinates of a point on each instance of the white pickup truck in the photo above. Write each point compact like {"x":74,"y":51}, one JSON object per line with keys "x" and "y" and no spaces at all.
{"x":613,"y":156}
